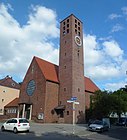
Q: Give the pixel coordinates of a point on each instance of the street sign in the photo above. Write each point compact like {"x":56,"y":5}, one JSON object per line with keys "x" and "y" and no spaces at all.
{"x":70,"y":101}
{"x":77,"y":103}
{"x":73,"y":98}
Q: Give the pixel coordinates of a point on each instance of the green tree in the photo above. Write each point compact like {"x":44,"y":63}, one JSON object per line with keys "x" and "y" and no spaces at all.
{"x":103,"y":103}
{"x":119,"y":101}
{"x":100,"y":105}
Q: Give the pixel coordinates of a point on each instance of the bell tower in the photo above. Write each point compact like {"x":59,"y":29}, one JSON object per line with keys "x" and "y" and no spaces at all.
{"x":71,"y":69}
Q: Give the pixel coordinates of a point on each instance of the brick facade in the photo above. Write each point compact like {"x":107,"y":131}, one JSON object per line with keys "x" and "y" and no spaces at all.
{"x":47,"y":87}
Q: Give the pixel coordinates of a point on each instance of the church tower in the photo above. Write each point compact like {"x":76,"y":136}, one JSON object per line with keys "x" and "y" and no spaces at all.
{"x":71,"y":70}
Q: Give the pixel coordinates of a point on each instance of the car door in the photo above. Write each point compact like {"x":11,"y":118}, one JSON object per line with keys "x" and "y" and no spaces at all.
{"x":8,"y":124}
{"x":13,"y":124}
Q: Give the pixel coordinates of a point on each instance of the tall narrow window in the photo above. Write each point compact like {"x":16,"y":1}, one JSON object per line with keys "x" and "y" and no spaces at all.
{"x":67,"y":30}
{"x":67,"y":112}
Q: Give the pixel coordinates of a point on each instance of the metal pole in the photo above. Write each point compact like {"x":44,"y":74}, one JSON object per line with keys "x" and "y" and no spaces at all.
{"x":73,"y":117}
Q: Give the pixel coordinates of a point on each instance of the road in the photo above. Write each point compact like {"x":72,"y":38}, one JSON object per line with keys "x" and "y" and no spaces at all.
{"x":65,"y":132}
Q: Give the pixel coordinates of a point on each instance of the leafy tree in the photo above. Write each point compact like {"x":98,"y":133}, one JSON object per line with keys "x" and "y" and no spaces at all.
{"x":100,"y":105}
{"x":119,"y":101}
{"x":103,"y":103}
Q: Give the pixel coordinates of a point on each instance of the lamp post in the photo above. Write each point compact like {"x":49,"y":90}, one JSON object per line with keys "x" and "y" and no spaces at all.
{"x":74,"y":102}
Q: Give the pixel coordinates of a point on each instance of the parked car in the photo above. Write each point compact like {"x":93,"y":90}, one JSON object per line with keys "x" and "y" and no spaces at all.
{"x":16,"y":125}
{"x":98,"y":126}
{"x":122,"y":121}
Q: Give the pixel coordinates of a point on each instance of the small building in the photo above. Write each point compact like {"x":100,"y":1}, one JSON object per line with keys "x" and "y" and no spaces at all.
{"x":9,"y":90}
{"x":11,"y":109}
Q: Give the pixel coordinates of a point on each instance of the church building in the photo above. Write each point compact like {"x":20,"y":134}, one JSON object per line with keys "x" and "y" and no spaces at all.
{"x":58,"y":94}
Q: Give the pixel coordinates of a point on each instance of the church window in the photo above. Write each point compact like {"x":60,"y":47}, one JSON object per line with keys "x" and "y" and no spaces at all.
{"x":67,"y":25}
{"x":67,"y":112}
{"x":79,"y":23}
{"x":67,"y":20}
{"x":64,"y":28}
{"x":75,"y":31}
{"x":78,"y":54}
{"x":67,"y":30}
{"x":78,"y":89}
{"x":75,"y":25}
{"x":79,"y":33}
{"x":79,"y":28}
{"x":32,"y":70}
{"x":64,"y":32}
{"x":64,"y":23}
{"x":75,"y":20}
{"x":65,"y":89}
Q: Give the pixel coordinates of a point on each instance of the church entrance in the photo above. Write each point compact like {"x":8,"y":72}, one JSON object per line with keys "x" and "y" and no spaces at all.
{"x":25,"y":111}
{"x":60,"y":113}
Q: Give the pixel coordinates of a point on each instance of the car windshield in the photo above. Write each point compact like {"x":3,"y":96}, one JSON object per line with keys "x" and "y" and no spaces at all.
{"x":23,"y":121}
{"x":98,"y":122}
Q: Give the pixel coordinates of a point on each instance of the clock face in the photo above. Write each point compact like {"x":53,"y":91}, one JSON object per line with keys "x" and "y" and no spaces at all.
{"x":31,"y":87}
{"x":78,"y":41}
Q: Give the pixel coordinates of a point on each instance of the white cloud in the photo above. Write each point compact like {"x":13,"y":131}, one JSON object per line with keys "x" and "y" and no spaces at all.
{"x":114,"y":86}
{"x":92,"y":54}
{"x":117,"y":28}
{"x":19,"y":44}
{"x":103,"y":60}
{"x":109,"y":46}
{"x":114,"y":16}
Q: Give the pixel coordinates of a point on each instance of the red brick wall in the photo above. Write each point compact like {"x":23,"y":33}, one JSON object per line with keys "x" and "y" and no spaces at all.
{"x":51,"y":101}
{"x":38,"y":97}
{"x":87,"y":99}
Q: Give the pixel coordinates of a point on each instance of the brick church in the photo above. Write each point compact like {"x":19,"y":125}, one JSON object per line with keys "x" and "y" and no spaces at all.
{"x":47,"y":87}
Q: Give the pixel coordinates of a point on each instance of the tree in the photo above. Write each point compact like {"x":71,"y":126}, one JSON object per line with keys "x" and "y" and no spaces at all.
{"x":100,"y":105}
{"x":103,"y":103}
{"x":119,"y":104}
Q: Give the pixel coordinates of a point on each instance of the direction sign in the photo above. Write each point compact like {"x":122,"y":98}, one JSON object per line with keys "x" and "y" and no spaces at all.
{"x":70,"y":101}
{"x":73,"y":98}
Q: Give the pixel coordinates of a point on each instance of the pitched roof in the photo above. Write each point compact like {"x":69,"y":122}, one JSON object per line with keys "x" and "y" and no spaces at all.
{"x":9,"y":82}
{"x":90,"y":85}
{"x":49,"y":70}
{"x":13,"y":103}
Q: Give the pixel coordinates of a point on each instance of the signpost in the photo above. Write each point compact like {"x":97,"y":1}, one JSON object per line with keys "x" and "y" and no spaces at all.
{"x":74,"y":102}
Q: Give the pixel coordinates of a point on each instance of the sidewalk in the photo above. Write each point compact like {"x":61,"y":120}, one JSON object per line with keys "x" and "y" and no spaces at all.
{"x":66,"y":129}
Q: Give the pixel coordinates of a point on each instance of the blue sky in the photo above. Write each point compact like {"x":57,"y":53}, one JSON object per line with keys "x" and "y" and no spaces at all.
{"x":31,"y":28}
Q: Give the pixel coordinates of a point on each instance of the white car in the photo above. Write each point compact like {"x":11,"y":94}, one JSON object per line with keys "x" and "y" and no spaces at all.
{"x":16,"y":125}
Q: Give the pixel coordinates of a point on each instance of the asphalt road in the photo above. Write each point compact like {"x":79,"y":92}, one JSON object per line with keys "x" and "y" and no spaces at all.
{"x":65,"y":132}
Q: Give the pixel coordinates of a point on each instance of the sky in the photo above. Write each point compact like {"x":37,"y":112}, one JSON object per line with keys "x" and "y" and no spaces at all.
{"x":32,"y":28}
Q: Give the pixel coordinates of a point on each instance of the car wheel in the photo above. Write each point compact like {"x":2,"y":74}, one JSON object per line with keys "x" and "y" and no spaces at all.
{"x":2,"y":128}
{"x":27,"y":131}
{"x":102,"y":130}
{"x":15,"y":130}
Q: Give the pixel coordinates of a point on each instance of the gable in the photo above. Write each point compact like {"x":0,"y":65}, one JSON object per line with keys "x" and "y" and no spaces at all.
{"x":9,"y":82}
{"x":49,"y":70}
